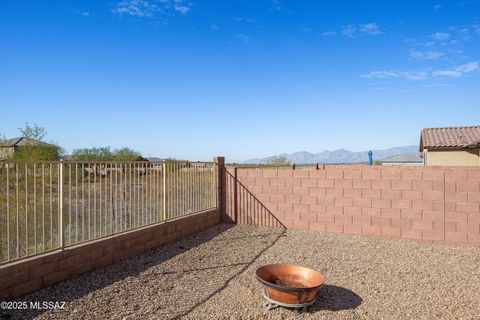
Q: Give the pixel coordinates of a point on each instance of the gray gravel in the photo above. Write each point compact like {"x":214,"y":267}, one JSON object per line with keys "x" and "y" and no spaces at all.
{"x":211,"y":276}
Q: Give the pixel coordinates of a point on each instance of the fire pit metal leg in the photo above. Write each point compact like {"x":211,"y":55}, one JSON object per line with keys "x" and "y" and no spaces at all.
{"x":301,"y":303}
{"x":266,"y":300}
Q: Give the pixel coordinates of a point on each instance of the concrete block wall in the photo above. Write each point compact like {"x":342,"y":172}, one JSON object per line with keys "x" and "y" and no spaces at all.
{"x":25,"y":276}
{"x":429,"y":204}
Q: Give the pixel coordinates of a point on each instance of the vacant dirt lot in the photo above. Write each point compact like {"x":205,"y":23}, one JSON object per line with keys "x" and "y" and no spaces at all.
{"x":211,"y":276}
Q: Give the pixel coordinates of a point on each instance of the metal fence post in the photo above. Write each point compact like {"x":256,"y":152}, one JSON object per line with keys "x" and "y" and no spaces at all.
{"x":164,"y":191}
{"x":235,"y":195}
{"x":60,"y":204}
{"x":219,"y":163}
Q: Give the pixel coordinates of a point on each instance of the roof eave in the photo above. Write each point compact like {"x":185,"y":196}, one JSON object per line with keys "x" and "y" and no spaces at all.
{"x":471,"y":146}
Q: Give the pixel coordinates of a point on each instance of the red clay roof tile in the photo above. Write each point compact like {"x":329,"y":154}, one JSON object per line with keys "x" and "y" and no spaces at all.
{"x":450,"y":138}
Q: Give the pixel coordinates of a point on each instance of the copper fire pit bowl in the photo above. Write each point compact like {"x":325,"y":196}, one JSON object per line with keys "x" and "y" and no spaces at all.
{"x":289,"y":285}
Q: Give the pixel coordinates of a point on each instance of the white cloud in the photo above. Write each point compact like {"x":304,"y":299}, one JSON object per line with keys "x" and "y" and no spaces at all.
{"x":410,"y":75}
{"x":476,"y":28}
{"x":306,"y":29}
{"x":436,"y":85}
{"x":135,"y":8}
{"x":150,"y":8}
{"x":445,"y":45}
{"x":380,"y":74}
{"x":182,"y":9}
{"x":440,"y":36}
{"x":455,"y":72}
{"x":276,"y":4}
{"x":348,"y":31}
{"x":428,"y":55}
{"x":370,"y":28}
{"x":414,"y":75}
{"x":329,"y":33}
{"x":244,"y":38}
{"x":246,"y":20}
{"x":458,"y":71}
{"x":356,"y":30}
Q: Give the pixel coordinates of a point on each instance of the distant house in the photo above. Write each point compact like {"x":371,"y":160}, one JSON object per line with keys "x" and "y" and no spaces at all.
{"x":8,"y":147}
{"x":184,"y":165}
{"x":453,"y":146}
{"x":156,"y":163}
{"x":154,"y":159}
{"x":403,"y":159}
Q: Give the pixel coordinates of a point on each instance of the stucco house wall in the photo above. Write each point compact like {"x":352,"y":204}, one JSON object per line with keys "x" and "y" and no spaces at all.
{"x":464,"y":157}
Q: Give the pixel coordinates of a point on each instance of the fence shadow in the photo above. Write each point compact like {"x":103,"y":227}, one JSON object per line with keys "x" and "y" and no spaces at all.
{"x":242,"y":207}
{"x":245,"y":266}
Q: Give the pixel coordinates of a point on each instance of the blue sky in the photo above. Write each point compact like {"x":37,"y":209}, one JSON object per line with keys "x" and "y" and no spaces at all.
{"x":243,"y":79}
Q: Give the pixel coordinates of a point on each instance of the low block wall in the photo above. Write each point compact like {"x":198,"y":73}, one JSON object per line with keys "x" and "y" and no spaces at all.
{"x":29,"y":275}
{"x":432,"y":204}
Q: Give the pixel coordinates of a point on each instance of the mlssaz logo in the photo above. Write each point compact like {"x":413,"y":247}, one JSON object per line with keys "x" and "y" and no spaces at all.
{"x":47,"y":305}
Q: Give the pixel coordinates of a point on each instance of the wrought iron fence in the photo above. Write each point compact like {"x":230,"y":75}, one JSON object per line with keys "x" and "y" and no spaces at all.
{"x":46,"y":205}
{"x":278,"y":166}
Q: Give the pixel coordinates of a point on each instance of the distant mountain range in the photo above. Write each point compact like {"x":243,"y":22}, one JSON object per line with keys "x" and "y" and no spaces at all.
{"x":337,"y":156}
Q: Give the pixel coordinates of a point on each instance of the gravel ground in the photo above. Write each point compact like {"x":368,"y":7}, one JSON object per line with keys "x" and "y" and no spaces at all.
{"x":211,"y":276}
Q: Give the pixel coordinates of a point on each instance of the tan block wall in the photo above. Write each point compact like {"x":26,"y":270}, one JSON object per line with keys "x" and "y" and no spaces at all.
{"x":452,"y":157}
{"x":431,"y":204}
{"x":22,"y":277}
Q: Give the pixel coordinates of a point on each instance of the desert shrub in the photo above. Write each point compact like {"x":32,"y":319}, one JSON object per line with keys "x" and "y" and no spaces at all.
{"x":126,"y":154}
{"x":37,"y":152}
{"x":93,"y":154}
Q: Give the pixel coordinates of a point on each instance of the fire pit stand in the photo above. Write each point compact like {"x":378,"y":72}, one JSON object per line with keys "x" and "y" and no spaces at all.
{"x":301,"y":304}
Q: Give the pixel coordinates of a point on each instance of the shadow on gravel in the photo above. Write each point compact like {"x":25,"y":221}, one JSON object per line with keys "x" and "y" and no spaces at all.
{"x":89,"y":282}
{"x":335,"y":298}
{"x":242,"y":270}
